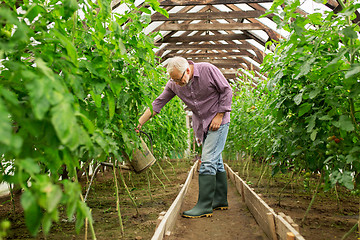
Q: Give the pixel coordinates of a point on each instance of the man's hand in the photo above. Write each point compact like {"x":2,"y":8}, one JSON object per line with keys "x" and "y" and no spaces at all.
{"x":144,"y":118}
{"x":137,"y":129}
{"x":216,"y":122}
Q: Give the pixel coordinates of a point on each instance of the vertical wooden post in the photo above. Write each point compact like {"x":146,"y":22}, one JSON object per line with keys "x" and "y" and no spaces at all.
{"x":290,"y":236}
{"x":242,"y":191}
{"x":271,"y":220}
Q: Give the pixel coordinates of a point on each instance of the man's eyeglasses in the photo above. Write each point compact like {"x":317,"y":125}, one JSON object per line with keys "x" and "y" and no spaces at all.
{"x":179,"y":80}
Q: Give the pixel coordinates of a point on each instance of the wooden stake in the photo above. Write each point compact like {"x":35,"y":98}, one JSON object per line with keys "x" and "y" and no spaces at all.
{"x":290,"y":236}
{"x":271,"y":220}
{"x":86,"y":228}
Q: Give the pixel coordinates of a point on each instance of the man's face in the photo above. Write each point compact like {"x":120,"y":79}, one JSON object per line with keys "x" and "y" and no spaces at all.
{"x":180,"y":78}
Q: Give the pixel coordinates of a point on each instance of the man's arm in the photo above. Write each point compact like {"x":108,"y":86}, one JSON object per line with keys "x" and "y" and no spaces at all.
{"x":144,"y":118}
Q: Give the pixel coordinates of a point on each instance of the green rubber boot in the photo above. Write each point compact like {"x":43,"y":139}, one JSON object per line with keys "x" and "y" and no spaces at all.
{"x":220,"y":198}
{"x":203,"y":208}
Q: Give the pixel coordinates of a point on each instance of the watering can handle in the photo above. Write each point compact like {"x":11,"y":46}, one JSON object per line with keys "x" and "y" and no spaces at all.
{"x":149,"y":137}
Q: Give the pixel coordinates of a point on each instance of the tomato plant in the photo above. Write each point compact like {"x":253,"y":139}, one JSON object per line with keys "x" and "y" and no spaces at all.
{"x":74,"y":78}
{"x":309,"y":115}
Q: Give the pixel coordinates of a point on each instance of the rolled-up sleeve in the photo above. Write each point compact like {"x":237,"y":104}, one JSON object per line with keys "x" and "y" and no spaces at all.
{"x":224,"y":89}
{"x":162,"y":99}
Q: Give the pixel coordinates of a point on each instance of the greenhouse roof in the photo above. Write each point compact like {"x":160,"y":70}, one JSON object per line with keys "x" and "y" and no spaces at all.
{"x":227,"y":33}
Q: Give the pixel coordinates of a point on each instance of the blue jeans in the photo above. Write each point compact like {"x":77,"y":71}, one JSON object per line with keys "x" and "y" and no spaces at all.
{"x":211,"y":159}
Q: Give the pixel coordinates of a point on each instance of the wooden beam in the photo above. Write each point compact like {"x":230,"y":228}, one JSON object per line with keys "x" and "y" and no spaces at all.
{"x":200,"y":38}
{"x":207,"y":15}
{"x":272,"y":34}
{"x":210,"y":27}
{"x":207,"y":46}
{"x":212,"y":55}
{"x":207,"y":2}
{"x":192,"y":55}
{"x":224,"y":63}
{"x":230,"y":76}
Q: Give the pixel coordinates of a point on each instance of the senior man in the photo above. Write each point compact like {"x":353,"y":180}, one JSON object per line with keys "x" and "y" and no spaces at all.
{"x":204,"y":89}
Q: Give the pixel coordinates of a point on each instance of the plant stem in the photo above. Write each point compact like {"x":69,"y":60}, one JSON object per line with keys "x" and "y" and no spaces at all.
{"x":82,"y":199}
{"x":312,"y":201}
{"x":279,"y":198}
{"x":128,"y":192}
{"x":11,"y":190}
{"x":162,"y":170}
{"x":157,"y":178}
{"x":346,"y":235}
{"x":172,"y":166}
{"x":352,"y":114}
{"x":149,"y":189}
{"x":117,"y":200}
{"x":338,"y":200}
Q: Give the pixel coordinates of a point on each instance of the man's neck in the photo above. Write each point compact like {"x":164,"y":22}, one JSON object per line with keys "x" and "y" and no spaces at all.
{"x":191,"y":70}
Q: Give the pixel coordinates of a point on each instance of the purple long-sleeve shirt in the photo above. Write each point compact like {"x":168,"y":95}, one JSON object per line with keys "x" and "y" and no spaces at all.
{"x":206,"y":94}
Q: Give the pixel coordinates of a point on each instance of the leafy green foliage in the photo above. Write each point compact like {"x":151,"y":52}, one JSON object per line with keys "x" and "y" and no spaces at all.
{"x":74,"y":78}
{"x":312,"y":93}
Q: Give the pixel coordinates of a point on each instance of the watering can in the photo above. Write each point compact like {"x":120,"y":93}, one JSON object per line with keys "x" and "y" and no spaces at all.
{"x":142,"y":158}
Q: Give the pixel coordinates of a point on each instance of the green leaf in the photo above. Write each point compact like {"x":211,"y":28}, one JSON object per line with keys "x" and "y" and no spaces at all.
{"x":297,"y":152}
{"x":46,"y":222}
{"x":42,"y":66}
{"x":9,"y":96}
{"x":311,"y":123}
{"x":155,"y":5}
{"x":349,"y":32}
{"x":145,"y":10}
{"x":298,"y":98}
{"x":54,"y":195}
{"x":353,"y":71}
{"x":325,"y":118}
{"x":314,"y":93}
{"x":33,"y":12}
{"x":87,"y":123}
{"x":32,"y":212}
{"x":82,"y":212}
{"x":350,"y":159}
{"x":347,"y":180}
{"x":345,"y":123}
{"x":122,"y":47}
{"x":111,"y":103}
{"x":304,"y":108}
{"x":29,"y":165}
{"x":64,"y":122}
{"x":305,"y":67}
{"x":39,"y":88}
{"x":316,"y":18}
{"x":72,"y":192}
{"x":313,"y":135}
{"x":70,"y":6}
{"x":5,"y":125}
{"x":69,"y":46}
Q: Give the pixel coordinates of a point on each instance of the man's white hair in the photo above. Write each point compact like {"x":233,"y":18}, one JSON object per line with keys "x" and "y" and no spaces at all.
{"x":179,"y":63}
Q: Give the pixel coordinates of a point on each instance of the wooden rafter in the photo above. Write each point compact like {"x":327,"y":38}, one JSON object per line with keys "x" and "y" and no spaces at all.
{"x":210,"y":27}
{"x":208,"y":2}
{"x":207,"y":15}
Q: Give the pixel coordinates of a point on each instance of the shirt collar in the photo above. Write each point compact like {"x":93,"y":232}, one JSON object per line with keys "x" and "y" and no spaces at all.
{"x":195,"y":74}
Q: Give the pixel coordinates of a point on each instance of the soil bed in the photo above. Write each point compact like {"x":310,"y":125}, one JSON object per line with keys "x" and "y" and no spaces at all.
{"x":327,"y":220}
{"x":102,"y":201}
